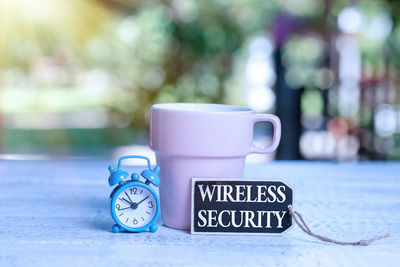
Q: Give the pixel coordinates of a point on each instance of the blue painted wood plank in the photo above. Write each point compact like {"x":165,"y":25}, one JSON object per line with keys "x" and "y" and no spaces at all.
{"x":55,"y":213}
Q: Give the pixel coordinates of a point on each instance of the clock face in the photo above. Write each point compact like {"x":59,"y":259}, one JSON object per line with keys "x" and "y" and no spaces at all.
{"x":135,"y":206}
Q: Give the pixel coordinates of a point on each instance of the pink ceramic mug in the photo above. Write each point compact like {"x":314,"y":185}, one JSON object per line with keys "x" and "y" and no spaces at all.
{"x":200,"y":140}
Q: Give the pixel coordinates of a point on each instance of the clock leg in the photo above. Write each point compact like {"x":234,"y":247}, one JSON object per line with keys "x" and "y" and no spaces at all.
{"x":116,"y":229}
{"x":153,"y":228}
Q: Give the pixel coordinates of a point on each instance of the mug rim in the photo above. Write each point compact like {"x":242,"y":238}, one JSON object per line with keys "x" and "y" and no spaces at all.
{"x":200,"y":108}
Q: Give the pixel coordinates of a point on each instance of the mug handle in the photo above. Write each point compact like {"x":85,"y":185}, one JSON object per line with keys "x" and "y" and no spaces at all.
{"x":276,"y":136}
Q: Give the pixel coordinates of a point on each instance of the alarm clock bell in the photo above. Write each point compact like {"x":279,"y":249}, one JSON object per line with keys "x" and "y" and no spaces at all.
{"x":151,"y":175}
{"x":116,"y":176}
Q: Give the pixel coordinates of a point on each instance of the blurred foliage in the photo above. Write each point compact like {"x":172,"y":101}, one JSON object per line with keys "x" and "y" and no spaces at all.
{"x":178,"y":51}
{"x":123,"y":56}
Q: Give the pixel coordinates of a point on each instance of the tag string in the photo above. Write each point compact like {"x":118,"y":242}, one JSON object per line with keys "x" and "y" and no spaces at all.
{"x":303,"y":226}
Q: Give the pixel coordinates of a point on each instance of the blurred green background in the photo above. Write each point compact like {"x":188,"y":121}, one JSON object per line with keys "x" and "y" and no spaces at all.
{"x":78,"y":77}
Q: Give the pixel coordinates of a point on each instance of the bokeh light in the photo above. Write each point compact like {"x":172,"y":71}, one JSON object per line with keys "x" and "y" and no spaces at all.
{"x":350,"y":20}
{"x":385,"y":120}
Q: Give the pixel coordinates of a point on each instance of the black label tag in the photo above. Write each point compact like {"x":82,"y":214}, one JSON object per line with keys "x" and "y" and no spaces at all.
{"x":240,"y":206}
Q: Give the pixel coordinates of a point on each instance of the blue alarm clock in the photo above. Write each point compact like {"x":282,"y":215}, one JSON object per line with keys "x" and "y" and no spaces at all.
{"x":135,"y":206}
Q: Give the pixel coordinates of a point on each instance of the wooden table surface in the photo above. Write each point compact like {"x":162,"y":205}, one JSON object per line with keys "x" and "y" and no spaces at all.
{"x":56,"y":213}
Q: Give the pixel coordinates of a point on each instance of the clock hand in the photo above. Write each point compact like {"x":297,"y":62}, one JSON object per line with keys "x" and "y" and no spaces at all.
{"x":126,"y":201}
{"x":143,"y":200}
{"x":128,"y":197}
{"x":124,"y":208}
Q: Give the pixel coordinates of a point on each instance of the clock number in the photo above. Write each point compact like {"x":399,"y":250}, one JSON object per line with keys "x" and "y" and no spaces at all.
{"x":133,"y":190}
{"x":117,"y":206}
{"x":135,"y":221}
{"x":150,"y":204}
